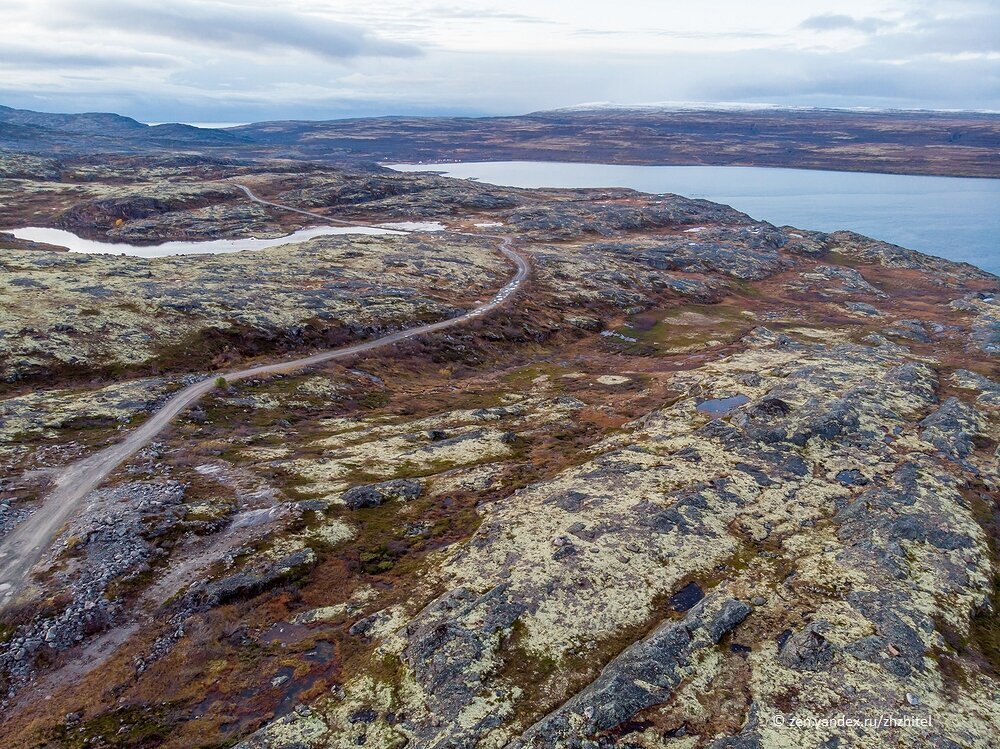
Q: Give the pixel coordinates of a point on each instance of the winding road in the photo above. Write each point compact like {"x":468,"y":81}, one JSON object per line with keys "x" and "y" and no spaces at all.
{"x":23,"y":547}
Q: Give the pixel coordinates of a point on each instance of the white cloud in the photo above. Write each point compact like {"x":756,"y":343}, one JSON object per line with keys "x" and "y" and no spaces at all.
{"x":251,"y":27}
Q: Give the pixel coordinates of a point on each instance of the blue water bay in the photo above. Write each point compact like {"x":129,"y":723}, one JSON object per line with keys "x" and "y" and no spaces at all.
{"x":951,"y":217}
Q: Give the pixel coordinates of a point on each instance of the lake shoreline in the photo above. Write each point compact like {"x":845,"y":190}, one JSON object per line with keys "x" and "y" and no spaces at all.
{"x":955,"y":218}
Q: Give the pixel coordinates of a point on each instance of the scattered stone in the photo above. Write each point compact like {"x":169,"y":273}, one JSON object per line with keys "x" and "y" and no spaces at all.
{"x":911,"y":330}
{"x":863,"y":308}
{"x":852,"y":477}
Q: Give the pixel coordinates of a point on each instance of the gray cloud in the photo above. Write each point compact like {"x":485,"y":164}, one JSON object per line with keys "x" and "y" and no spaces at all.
{"x":22,"y":56}
{"x":238,"y":27}
{"x":838,"y":22}
{"x":978,"y":33}
{"x":801,"y":78}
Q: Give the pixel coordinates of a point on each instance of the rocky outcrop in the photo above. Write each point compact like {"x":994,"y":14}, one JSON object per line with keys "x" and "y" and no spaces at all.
{"x":954,"y":428}
{"x":841,"y":280}
{"x":646,"y":674}
{"x":807,"y":650}
{"x":251,"y":581}
{"x":889,"y":255}
{"x":988,"y":390}
{"x":453,"y":647}
{"x":710,"y":251}
{"x":746,"y":478}
{"x":910,"y":330}
{"x":985,"y":309}
{"x":824,"y":491}
{"x":563,"y":220}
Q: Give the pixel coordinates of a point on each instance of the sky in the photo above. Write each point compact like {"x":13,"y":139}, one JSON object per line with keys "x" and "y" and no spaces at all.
{"x":252,"y":60}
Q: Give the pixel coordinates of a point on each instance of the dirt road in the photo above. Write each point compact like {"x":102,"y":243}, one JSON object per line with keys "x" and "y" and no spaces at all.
{"x":23,"y":548}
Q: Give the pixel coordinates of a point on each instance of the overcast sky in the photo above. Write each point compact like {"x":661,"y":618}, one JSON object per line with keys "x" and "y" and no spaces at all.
{"x":245,"y":60}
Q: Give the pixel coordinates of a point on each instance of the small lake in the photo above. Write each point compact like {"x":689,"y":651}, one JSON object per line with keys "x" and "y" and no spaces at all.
{"x":951,"y":217}
{"x":207,"y":247}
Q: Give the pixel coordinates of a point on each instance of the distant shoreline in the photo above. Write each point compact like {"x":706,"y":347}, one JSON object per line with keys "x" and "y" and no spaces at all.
{"x":932,"y":143}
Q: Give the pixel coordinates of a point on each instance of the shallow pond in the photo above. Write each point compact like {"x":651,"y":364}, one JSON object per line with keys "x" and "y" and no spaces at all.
{"x":207,"y":247}
{"x":722,"y":406}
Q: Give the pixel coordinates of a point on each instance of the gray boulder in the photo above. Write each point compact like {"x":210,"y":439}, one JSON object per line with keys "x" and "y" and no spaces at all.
{"x":645,"y":674}
{"x":808,"y":650}
{"x":373,"y":495}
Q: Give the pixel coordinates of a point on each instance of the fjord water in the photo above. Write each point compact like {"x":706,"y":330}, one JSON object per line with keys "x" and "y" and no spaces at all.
{"x":951,"y":217}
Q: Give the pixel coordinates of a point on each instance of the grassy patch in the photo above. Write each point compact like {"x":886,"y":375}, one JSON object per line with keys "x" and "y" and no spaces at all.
{"x":984,"y":629}
{"x":689,"y":326}
{"x":521,"y":377}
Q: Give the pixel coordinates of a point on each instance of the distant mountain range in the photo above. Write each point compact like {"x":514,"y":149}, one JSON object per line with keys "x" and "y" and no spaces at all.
{"x":909,"y":142}
{"x":698,"y":106}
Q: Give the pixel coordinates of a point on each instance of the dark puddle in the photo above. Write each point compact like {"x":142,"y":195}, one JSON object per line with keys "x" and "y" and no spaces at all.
{"x":289,"y":687}
{"x":322,"y":653}
{"x":284,"y":633}
{"x":686,"y":597}
{"x":782,"y":638}
{"x":722,"y":406}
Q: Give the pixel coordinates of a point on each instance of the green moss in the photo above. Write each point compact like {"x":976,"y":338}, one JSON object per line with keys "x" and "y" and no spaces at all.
{"x":374,"y":399}
{"x":985,"y":629}
{"x":543,"y":678}
{"x":134,"y":726}
{"x":378,"y":560}
{"x":129,"y":586}
{"x":837,"y":258}
{"x":521,"y":666}
{"x":522,"y":377}
{"x":131,"y":307}
{"x":745,"y":288}
{"x":203,"y":516}
{"x":662,"y":331}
